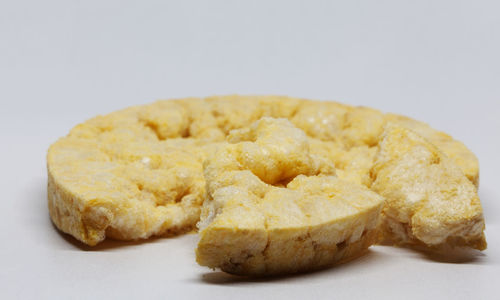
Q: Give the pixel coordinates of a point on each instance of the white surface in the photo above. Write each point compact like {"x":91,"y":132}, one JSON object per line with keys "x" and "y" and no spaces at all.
{"x":63,"y":62}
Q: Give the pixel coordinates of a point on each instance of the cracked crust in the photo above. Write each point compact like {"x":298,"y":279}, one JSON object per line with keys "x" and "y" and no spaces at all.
{"x":138,"y":172}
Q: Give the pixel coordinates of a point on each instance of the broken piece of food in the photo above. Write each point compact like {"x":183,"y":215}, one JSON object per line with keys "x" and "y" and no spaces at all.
{"x":429,"y":200}
{"x":285,"y":181}
{"x":274,"y":208}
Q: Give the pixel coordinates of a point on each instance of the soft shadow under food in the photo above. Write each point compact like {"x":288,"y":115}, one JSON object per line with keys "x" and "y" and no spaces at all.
{"x":222,"y":278}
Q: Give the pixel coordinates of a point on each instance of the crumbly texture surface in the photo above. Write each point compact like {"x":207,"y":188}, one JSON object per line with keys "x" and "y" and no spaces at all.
{"x":274,"y":208}
{"x":429,"y":200}
{"x":142,"y":171}
{"x":455,"y":150}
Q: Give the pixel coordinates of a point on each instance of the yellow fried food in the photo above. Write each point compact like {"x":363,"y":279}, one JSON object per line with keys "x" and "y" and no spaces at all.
{"x":256,"y":221}
{"x":429,"y":200}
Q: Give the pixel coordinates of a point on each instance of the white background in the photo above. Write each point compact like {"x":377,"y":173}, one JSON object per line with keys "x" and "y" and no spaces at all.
{"x":62,"y":62}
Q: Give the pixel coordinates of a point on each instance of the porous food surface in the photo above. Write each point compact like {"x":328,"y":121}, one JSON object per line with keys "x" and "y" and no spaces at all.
{"x":264,"y":173}
{"x":273,"y":207}
{"x":429,"y":200}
